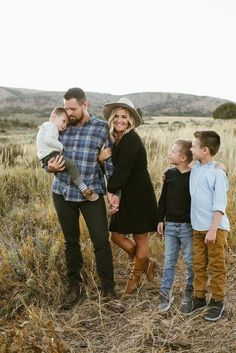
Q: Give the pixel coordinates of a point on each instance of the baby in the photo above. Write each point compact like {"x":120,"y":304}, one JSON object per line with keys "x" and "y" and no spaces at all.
{"x":49,"y":146}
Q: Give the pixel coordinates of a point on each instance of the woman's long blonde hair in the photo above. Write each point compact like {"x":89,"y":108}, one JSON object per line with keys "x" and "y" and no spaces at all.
{"x":112,"y":132}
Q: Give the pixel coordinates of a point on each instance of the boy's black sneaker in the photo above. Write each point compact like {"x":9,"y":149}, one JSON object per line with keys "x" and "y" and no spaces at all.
{"x":198,"y":304}
{"x":187,"y":302}
{"x":165,"y":302}
{"x":215,"y":311}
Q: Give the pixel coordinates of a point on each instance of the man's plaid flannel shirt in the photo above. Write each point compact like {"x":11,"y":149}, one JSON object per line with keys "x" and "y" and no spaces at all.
{"x":82,"y":144}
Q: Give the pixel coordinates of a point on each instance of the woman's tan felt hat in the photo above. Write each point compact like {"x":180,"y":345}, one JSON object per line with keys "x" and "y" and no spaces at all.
{"x":122,"y":103}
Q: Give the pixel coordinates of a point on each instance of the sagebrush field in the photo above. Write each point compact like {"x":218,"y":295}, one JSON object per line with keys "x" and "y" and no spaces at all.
{"x":33,"y":273}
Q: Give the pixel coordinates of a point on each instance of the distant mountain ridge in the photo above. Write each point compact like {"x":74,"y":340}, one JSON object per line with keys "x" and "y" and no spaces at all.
{"x":31,"y":101}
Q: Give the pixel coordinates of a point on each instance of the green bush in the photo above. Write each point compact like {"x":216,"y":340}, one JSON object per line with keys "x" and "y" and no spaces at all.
{"x":225,"y":111}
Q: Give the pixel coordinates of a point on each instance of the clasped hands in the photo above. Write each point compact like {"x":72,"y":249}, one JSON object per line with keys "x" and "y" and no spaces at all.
{"x":114,"y":203}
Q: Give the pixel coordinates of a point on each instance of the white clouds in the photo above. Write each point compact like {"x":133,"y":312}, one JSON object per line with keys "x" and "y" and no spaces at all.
{"x":120,"y":46}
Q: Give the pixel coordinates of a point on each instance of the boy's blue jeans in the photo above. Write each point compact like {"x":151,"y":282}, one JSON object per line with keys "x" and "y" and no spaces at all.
{"x":178,"y":236}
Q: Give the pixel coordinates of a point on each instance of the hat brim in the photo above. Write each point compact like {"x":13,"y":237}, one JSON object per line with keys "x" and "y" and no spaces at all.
{"x":107,"y":109}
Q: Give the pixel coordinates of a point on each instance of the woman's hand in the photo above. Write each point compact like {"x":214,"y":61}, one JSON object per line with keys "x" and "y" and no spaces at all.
{"x":104,"y":154}
{"x":221,"y":165}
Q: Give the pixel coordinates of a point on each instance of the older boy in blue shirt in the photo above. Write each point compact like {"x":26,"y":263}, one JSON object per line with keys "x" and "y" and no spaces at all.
{"x":208,"y":190}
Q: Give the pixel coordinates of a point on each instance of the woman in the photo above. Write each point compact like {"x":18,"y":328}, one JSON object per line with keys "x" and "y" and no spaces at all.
{"x":137,"y":212}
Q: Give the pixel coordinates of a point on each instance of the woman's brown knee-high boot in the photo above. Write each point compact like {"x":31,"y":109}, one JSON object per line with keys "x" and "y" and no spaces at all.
{"x":135,"y":276}
{"x":150,"y":269}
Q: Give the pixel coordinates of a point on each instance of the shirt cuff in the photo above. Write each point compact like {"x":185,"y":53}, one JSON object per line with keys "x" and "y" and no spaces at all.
{"x":218,"y":208}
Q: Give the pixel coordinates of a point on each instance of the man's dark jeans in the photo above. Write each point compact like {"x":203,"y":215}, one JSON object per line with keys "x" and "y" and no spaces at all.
{"x":94,"y":214}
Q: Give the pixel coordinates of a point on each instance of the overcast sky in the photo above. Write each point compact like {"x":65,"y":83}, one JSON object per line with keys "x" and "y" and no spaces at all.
{"x":120,"y":46}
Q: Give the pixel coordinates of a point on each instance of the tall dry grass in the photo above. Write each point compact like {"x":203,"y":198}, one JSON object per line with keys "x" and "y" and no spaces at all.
{"x":33,"y":273}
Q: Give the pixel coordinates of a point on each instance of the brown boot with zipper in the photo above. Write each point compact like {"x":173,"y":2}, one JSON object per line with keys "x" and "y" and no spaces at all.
{"x":135,"y":277}
{"x":151,"y":269}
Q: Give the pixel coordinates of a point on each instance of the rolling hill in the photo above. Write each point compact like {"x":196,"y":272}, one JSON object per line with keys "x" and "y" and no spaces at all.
{"x":15,"y":101}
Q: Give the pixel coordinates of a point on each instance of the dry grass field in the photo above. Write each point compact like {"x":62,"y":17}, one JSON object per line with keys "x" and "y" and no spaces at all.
{"x":33,"y":273}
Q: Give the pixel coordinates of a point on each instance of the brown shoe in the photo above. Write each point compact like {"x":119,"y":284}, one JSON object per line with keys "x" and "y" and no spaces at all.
{"x":90,"y":194}
{"x":116,"y":306}
{"x":135,"y":277}
{"x":151,"y":269}
{"x":108,"y":295}
{"x":75,"y":295}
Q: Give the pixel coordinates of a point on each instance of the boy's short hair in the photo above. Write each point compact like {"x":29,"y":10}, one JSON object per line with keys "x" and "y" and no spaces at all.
{"x":210,"y":139}
{"x":185,"y":146}
{"x":76,"y":93}
{"x":59,"y":111}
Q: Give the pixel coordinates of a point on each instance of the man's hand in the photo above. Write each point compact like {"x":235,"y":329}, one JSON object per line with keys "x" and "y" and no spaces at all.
{"x":114,"y":202}
{"x":210,"y":237}
{"x":56,"y":164}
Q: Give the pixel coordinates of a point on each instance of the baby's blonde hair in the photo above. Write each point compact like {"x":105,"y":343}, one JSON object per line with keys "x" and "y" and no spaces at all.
{"x":58,"y":111}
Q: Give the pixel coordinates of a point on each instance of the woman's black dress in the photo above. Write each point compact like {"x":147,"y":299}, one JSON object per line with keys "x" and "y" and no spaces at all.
{"x":138,"y":206}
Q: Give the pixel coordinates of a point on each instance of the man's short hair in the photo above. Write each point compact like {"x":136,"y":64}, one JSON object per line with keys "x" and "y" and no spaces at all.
{"x":76,"y":93}
{"x":185,"y":146}
{"x":208,"y":139}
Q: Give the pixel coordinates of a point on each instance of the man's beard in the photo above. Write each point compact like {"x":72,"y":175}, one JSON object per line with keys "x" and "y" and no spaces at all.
{"x":74,"y":120}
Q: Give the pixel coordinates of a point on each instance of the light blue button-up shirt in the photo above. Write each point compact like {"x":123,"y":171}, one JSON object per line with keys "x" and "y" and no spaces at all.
{"x":208,"y":190}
